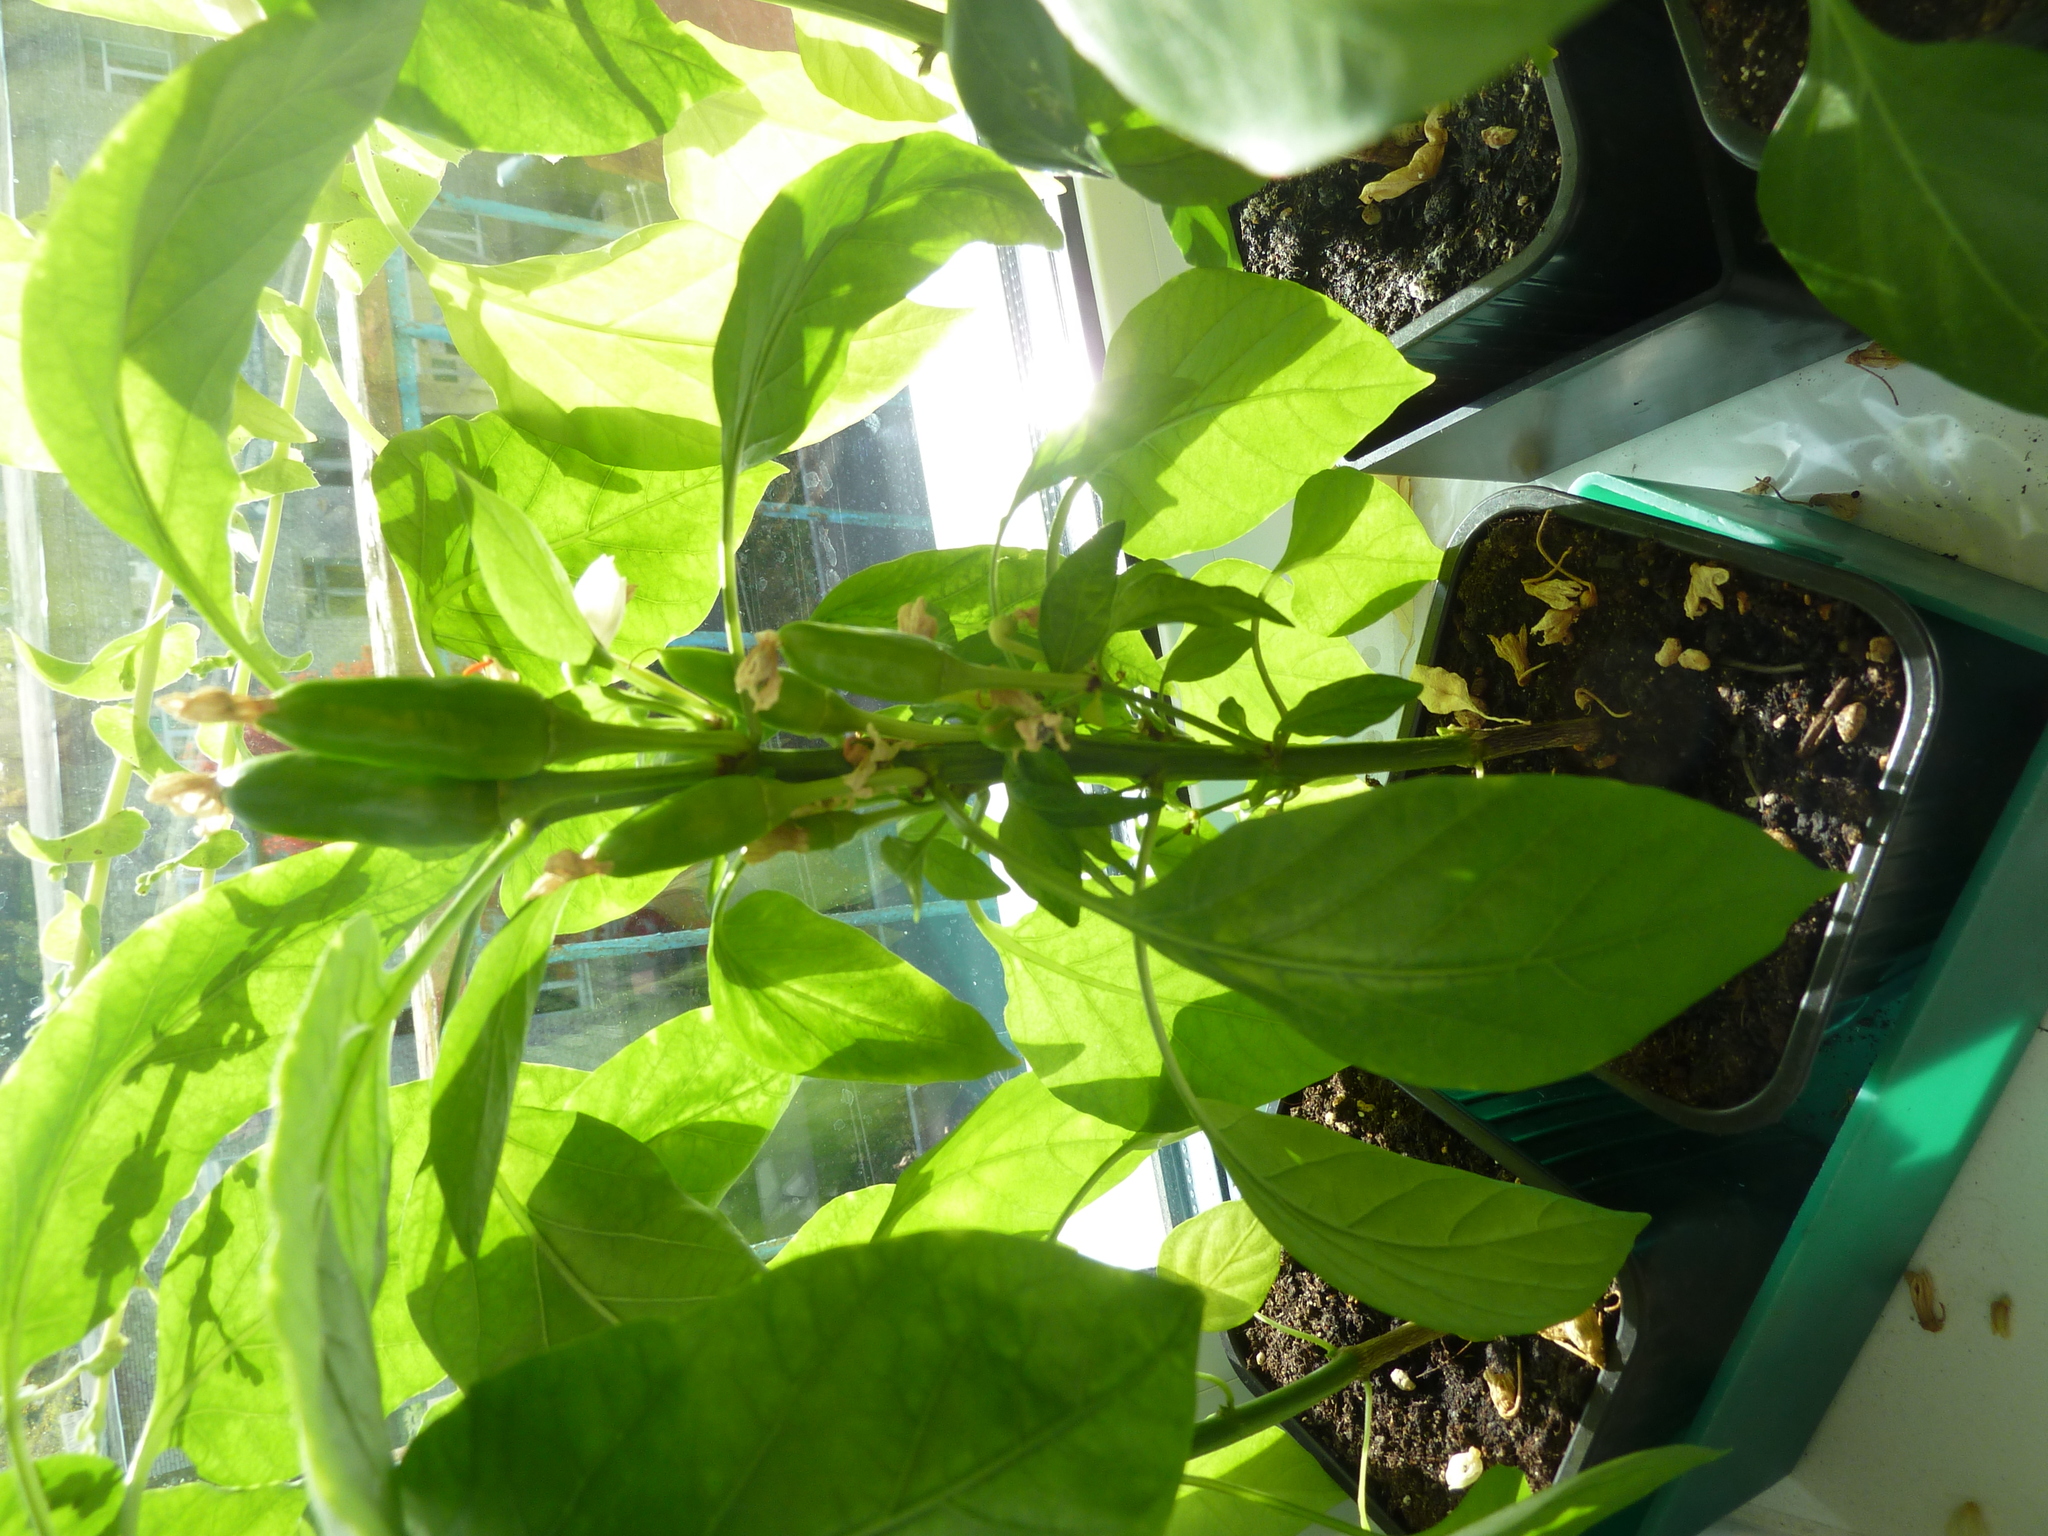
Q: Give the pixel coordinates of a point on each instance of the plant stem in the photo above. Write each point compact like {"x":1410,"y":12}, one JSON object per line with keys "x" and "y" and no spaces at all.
{"x":146,"y":1451}
{"x":458,"y":963}
{"x":728,"y":553}
{"x":1058,"y":530}
{"x":1229,"y":1425}
{"x":35,"y":1499}
{"x":1266,"y":677}
{"x":373,"y":185}
{"x":899,"y":18}
{"x":1300,"y":1512}
{"x":398,"y":984}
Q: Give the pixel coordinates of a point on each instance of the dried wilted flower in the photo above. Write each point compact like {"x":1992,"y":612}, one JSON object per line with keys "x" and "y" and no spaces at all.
{"x":1401,"y":1379}
{"x":216,"y":706}
{"x":914,"y":618}
{"x":1669,"y":652}
{"x":1504,"y":1389}
{"x":1514,"y":650}
{"x":1561,"y":591}
{"x":1421,"y":167}
{"x":563,"y":866}
{"x":188,"y":794}
{"x":1694,"y":661}
{"x":1498,"y":138}
{"x":759,"y":678}
{"x":1849,"y":720}
{"x":1873,"y":354}
{"x":1583,"y":1336}
{"x":1463,"y":1470}
{"x":1842,"y":504}
{"x":866,"y":757}
{"x":2001,"y":1317}
{"x":790,"y":837}
{"x":1555,"y":627}
{"x":1931,"y":1313}
{"x":1445,"y":693}
{"x":1707,"y":581}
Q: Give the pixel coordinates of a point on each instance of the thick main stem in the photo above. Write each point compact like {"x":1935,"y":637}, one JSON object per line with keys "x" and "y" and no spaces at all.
{"x":1229,"y":1425}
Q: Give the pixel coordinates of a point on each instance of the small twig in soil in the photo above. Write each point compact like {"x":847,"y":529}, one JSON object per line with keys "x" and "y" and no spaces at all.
{"x":1809,"y":741}
{"x":1584,"y":696}
{"x":1295,"y":1333}
{"x":1786,"y":670}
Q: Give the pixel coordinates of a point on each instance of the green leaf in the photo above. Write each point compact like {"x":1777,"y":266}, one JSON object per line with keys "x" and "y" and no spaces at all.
{"x":1205,"y":235}
{"x":841,"y":1221}
{"x":953,"y":583}
{"x":689,"y":1090}
{"x":405,"y":1364}
{"x":213,"y":851}
{"x":595,"y":899}
{"x":1152,"y":160}
{"x":660,"y":527}
{"x":276,"y":477}
{"x":1077,"y":1015}
{"x":410,"y":172}
{"x":111,"y":672}
{"x":866,"y":71}
{"x":481,"y":1046}
{"x":837,"y":247}
{"x":525,"y":580}
{"x":1021,"y":1162}
{"x":1204,"y":652}
{"x":108,"y":838}
{"x":164,"y":1048}
{"x":1256,"y":385}
{"x":1074,"y":614}
{"x":1355,"y":551}
{"x":1481,"y":933}
{"x":958,"y":875}
{"x":200,"y":18}
{"x":1876,"y":187}
{"x":19,"y":444}
{"x":260,"y":416}
{"x":1153,"y":592}
{"x":586,"y":1231}
{"x":810,"y":995}
{"x":1348,"y":706}
{"x":1225,"y":1254}
{"x":1497,"y":1488}
{"x":1268,"y":1462}
{"x":1283,"y":88}
{"x":137,"y":314}
{"x":1054,"y":1391}
{"x":1042,"y":782}
{"x":550,"y":77}
{"x":1298,"y":660}
{"x":326,"y":1184}
{"x":1586,"y":1498}
{"x":1038,"y":844}
{"x":1016,"y":79}
{"x":1442,"y":1247}
{"x":60,"y":937}
{"x":193,"y":1509}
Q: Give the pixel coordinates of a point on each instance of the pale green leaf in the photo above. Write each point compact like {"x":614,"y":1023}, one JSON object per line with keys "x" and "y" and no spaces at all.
{"x":1053,"y":1394}
{"x":1903,"y":184}
{"x":1254,"y":385}
{"x":326,"y":1184}
{"x":111,"y":672}
{"x":807,"y":994}
{"x":214,"y":851}
{"x":410,"y":172}
{"x":554,"y":77}
{"x":689,"y":1090}
{"x":1436,"y":931}
{"x":19,"y":444}
{"x":1076,"y":1013}
{"x":108,"y":838}
{"x":1438,"y":1246}
{"x":593,"y":900}
{"x":85,"y":1500}
{"x":1299,"y":660}
{"x":839,"y":246}
{"x":1355,"y":551}
{"x":138,"y":310}
{"x":60,"y":937}
{"x":477,"y":1070}
{"x":1153,"y":592}
{"x":200,"y":18}
{"x":1588,"y":1497}
{"x":586,"y":1230}
{"x":1268,"y":1462}
{"x":1205,"y":235}
{"x":1283,"y":88}
{"x":1017,"y":81}
{"x":261,"y":417}
{"x":525,"y":579}
{"x":1074,"y":613}
{"x":276,"y":477}
{"x":841,"y":1221}
{"x":659,"y":527}
{"x":1022,"y":1162}
{"x":953,"y":583}
{"x":164,"y":1048}
{"x":866,"y":71}
{"x":1348,"y":706}
{"x":543,"y":1085}
{"x":1225,"y":1254}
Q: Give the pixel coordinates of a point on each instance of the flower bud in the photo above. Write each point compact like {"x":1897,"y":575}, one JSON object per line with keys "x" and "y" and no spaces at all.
{"x":601,"y":594}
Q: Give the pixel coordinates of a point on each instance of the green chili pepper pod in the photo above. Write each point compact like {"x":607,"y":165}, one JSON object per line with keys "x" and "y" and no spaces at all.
{"x":703,"y":821}
{"x":909,"y":669}
{"x":329,"y":799}
{"x":808,"y":710}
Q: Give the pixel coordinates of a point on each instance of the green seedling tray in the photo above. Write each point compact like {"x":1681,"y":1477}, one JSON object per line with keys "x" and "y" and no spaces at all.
{"x":1943,"y":1062}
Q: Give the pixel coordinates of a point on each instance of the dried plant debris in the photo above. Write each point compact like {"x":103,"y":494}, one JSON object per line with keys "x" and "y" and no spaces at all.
{"x":1880,"y":649}
{"x":1694,"y":660}
{"x":1669,"y":652}
{"x":2001,"y":1317}
{"x":1930,"y":1312}
{"x":1514,"y":650}
{"x":1849,"y":719}
{"x":1584,"y":1335}
{"x":1504,"y":1387}
{"x":1586,"y":698}
{"x":1498,"y":138}
{"x":1817,"y":727}
{"x":1555,"y":627}
{"x":1842,"y":504}
{"x":1445,"y":693}
{"x":1401,"y":1379}
{"x":1874,"y":354}
{"x":1464,"y":1469}
{"x":1705,"y":588}
{"x":1422,"y":166}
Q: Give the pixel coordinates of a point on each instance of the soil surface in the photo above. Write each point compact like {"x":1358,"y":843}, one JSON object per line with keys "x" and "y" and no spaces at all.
{"x":1758,"y":47}
{"x":1759,"y":732}
{"x":1481,"y":209}
{"x":1449,"y":1408}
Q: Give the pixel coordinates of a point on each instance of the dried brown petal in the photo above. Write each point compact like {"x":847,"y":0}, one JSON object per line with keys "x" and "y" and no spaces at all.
{"x":1694,"y":661}
{"x":1842,"y":504}
{"x":2001,"y":1317}
{"x":1707,"y":582}
{"x":1555,"y":627}
{"x":216,"y":706}
{"x":1498,"y":138}
{"x":914,"y":618}
{"x":1873,"y":355}
{"x":1583,"y":1336}
{"x":189,"y":794}
{"x":1782,"y":839}
{"x":563,"y":866}
{"x":1931,"y":1313}
{"x":1559,"y":591}
{"x":1401,"y":1379}
{"x":1504,"y":1388}
{"x":759,"y":678}
{"x":1421,"y":167}
{"x":1514,"y":650}
{"x":1445,"y":693}
{"x":1669,"y":652}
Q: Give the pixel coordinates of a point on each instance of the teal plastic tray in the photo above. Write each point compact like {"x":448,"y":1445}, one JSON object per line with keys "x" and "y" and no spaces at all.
{"x":1943,"y":1063}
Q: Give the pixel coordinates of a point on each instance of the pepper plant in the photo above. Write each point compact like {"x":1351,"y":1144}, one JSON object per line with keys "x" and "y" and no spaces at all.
{"x":922,"y":1356}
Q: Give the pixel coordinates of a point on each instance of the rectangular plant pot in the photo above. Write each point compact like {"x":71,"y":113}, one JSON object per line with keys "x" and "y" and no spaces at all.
{"x":1771,"y":1251}
{"x":1633,"y":231}
{"x":1743,"y":140}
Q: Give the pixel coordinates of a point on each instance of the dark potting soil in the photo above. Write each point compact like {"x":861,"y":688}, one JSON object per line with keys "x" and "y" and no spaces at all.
{"x":1449,"y":1409}
{"x":1758,"y":47}
{"x":1761,"y":732}
{"x":1480,"y":210}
